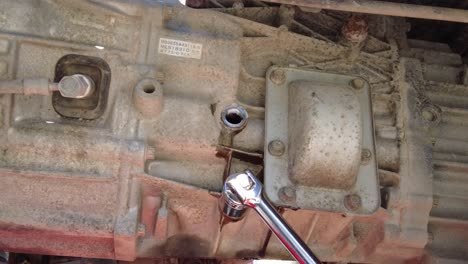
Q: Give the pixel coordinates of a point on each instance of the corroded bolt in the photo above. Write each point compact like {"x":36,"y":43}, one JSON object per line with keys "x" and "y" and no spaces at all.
{"x":366,"y":156}
{"x":356,"y":29}
{"x":76,"y":86}
{"x":278,"y":76}
{"x":287,"y":194}
{"x":352,"y":202}
{"x":357,"y":83}
{"x":276,"y":147}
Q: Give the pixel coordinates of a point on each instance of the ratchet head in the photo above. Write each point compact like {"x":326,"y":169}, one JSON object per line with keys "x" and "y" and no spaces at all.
{"x":243,"y":190}
{"x":240,"y":191}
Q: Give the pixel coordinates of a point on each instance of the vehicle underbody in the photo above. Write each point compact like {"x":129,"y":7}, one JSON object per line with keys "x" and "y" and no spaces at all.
{"x":357,"y":124}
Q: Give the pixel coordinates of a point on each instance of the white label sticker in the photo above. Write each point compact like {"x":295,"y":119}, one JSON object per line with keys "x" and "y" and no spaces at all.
{"x":180,"y":48}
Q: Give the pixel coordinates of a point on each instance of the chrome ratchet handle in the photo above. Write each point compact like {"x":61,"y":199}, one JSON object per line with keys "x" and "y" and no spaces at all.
{"x":249,"y":191}
{"x":285,"y":233}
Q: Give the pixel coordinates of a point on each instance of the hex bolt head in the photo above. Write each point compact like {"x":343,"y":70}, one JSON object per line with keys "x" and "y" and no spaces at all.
{"x":278,"y":76}
{"x":246,"y":182}
{"x":352,"y":202}
{"x":366,"y":156}
{"x":287,"y":194}
{"x":276,"y":148}
{"x":431,"y":114}
{"x":76,"y":86}
{"x":356,"y":29}
{"x":428,"y":115}
{"x":357,"y":83}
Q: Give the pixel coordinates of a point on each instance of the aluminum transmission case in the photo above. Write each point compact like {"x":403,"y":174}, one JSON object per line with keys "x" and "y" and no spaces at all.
{"x":319,"y":142}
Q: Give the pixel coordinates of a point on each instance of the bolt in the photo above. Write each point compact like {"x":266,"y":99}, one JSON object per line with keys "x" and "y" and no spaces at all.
{"x":246,"y":182}
{"x":352,"y":202}
{"x":76,"y":86}
{"x":366,"y":156}
{"x":431,"y":114}
{"x":357,"y":83}
{"x":287,"y":194}
{"x":278,"y":76}
{"x":276,"y":148}
{"x":428,"y":115}
{"x":356,"y":29}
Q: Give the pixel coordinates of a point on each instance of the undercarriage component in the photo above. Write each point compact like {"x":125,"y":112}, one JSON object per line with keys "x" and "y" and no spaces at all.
{"x":85,"y":101}
{"x":40,"y":86}
{"x":136,"y":169}
{"x":76,"y":86}
{"x":148,"y":97}
{"x":325,"y":122}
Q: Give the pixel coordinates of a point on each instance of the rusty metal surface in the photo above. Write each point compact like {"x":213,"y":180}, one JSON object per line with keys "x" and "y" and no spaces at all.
{"x":142,"y":182}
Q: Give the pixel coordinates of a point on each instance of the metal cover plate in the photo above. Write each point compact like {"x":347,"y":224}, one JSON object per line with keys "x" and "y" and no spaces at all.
{"x":277,"y":177}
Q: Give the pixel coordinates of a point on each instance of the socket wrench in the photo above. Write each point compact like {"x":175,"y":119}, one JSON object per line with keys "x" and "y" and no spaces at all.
{"x":244,"y":190}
